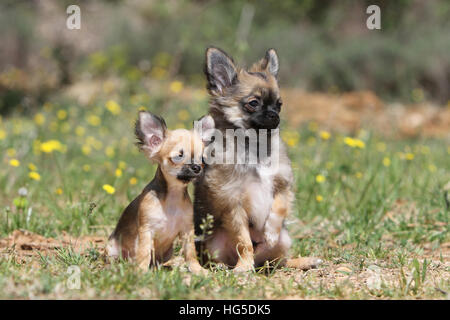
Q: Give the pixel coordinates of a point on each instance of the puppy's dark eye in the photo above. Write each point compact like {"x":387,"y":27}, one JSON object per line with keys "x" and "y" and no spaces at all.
{"x":252,"y":105}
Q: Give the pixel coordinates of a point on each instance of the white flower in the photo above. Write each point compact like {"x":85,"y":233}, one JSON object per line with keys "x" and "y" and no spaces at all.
{"x":23,"y":192}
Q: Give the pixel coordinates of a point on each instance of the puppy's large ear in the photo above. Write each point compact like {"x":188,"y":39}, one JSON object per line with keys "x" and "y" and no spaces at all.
{"x":205,"y":128}
{"x":268,"y":64}
{"x":150,"y":131}
{"x":220,"y":70}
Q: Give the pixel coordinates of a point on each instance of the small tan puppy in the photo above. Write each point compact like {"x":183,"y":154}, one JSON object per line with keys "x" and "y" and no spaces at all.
{"x":151,"y":222}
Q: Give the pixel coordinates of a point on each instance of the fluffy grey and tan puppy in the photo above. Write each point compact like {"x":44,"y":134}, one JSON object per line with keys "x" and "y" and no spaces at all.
{"x":249,"y":202}
{"x":149,"y":225}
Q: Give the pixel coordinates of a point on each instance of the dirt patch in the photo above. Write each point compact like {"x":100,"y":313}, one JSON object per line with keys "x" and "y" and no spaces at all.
{"x":24,"y":243}
{"x":349,"y":112}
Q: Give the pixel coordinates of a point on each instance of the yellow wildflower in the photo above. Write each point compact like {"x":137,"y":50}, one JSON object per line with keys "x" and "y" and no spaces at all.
{"x":118,"y":173}
{"x":32,"y":167}
{"x":386,"y":161}
{"x":325,"y":135}
{"x":133,"y":181}
{"x":409,"y":156}
{"x":319,"y":198}
{"x":52,"y":145}
{"x":176,"y":86}
{"x":320,"y":178}
{"x":2,"y":134}
{"x":291,"y":138}
{"x":113,"y":107}
{"x":359,"y":144}
{"x":59,"y":191}
{"x":93,"y":120}
{"x":86,"y":150}
{"x":109,"y":189}
{"x":62,"y":114}
{"x":359,"y":175}
{"x":14,"y":162}
{"x":354,"y":143}
{"x":432,"y":168}
{"x":34,"y":175}
{"x":349,"y":141}
{"x":39,"y":119}
{"x":86,"y":168}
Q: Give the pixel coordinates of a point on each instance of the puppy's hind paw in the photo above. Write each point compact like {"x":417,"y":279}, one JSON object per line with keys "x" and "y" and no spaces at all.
{"x":304,"y":263}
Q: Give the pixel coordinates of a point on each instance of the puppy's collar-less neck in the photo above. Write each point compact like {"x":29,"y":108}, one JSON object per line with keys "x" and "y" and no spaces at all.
{"x":164,"y":188}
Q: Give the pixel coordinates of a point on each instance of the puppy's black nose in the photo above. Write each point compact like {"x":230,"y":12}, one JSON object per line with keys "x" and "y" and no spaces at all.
{"x":196,"y":168}
{"x":272,"y":115}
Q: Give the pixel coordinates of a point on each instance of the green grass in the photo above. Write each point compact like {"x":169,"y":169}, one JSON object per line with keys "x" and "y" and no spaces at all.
{"x":360,"y":215}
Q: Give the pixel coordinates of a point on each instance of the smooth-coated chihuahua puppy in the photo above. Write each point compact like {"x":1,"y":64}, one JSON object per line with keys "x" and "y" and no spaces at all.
{"x":151,"y":222}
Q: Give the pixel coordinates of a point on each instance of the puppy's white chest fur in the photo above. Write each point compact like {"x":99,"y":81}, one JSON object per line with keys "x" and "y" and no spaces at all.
{"x":259,"y":190}
{"x":170,"y":220}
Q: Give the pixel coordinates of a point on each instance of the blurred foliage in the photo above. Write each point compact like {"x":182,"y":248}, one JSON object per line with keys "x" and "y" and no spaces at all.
{"x":323,"y":45}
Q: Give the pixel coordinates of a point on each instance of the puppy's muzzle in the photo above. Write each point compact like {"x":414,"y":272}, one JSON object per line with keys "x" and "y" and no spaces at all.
{"x":196,"y":169}
{"x":271,"y":120}
{"x":189,"y":172}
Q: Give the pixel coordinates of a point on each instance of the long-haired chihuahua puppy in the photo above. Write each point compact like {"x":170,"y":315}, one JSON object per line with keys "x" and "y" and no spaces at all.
{"x":151,"y":222}
{"x":249,"y":202}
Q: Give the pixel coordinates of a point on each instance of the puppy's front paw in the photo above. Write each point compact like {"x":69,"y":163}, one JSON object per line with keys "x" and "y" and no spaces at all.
{"x":143,"y":266}
{"x":271,"y":237}
{"x":304,"y":263}
{"x":243,"y":267}
{"x":197,"y":269}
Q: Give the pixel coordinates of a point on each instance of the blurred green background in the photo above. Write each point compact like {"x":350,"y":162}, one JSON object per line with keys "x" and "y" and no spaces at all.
{"x":323,"y":45}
